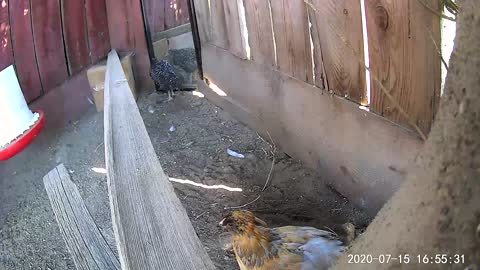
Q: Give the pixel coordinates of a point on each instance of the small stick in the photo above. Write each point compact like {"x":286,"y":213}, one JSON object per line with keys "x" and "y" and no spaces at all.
{"x":267,"y":182}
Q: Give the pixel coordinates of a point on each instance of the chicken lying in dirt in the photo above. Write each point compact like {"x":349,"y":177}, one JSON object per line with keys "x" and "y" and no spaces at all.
{"x":258,"y":247}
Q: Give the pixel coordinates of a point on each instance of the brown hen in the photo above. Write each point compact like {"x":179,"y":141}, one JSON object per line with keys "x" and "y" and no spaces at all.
{"x":258,"y":247}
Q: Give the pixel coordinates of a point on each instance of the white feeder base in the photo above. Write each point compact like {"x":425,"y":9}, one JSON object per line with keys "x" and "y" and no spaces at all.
{"x":34,"y":120}
{"x":15,"y":116}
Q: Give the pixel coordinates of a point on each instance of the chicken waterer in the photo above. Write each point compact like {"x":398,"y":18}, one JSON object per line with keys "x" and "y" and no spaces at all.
{"x":18,"y":125}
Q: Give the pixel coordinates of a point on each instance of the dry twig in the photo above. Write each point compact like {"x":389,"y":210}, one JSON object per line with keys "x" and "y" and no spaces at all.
{"x":267,"y":182}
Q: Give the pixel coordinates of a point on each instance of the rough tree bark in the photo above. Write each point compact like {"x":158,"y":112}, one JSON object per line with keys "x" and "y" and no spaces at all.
{"x":437,"y":210}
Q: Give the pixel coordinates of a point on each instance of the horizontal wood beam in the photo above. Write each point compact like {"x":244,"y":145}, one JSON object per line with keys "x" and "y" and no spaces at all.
{"x":172,"y":32}
{"x":151,"y":226}
{"x":84,"y":240}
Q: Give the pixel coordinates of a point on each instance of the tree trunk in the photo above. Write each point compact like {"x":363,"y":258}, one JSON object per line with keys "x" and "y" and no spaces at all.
{"x":437,"y":209}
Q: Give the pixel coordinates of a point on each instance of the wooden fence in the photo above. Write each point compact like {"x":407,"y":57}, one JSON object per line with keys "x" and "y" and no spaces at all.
{"x":402,"y":37}
{"x":50,"y":40}
{"x":165,"y":14}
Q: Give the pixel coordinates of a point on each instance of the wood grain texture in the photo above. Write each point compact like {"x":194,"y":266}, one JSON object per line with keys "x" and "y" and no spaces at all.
{"x":290,"y":26}
{"x":345,"y":74}
{"x":24,"y":49}
{"x":330,"y":134}
{"x":183,"y":16}
{"x":151,"y":226}
{"x":84,"y":240}
{"x":75,"y":34}
{"x":6,"y":53}
{"x":139,"y":45}
{"x":171,"y":13}
{"x":118,"y":20}
{"x":202,"y":11}
{"x":98,"y":34}
{"x":260,"y":32}
{"x":218,"y":24}
{"x":405,"y":60}
{"x":318,"y":65}
{"x":47,"y":33}
{"x":234,"y":28}
{"x":155,"y":15}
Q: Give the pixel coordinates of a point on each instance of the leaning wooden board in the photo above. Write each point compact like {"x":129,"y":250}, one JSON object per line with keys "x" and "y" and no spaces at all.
{"x":84,"y":240}
{"x":24,"y":49}
{"x":151,"y":226}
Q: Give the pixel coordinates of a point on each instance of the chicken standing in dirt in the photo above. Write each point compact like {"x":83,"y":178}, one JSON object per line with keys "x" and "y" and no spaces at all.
{"x":258,"y":247}
{"x":164,"y":76}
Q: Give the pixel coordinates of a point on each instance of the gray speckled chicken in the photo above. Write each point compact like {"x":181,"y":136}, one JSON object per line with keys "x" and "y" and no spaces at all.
{"x":164,"y":76}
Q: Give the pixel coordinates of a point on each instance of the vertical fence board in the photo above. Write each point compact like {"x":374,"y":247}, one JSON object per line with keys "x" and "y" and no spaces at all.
{"x":119,"y":34}
{"x":260,"y":35}
{"x":97,"y":24}
{"x":24,"y":49}
{"x":218,"y":24}
{"x":202,"y":11}
{"x":170,"y":13}
{"x":155,"y":15}
{"x":182,"y":11}
{"x":75,"y":34}
{"x":404,"y":58}
{"x":47,"y":32}
{"x":234,"y":31}
{"x":6,"y":53}
{"x":319,"y":68}
{"x":337,"y":20}
{"x":290,"y":26}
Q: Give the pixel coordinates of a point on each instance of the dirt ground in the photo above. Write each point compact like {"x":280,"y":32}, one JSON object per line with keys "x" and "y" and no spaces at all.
{"x":196,"y":150}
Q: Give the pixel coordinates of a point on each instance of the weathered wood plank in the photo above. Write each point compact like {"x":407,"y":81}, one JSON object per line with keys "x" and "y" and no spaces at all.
{"x":118,"y":18}
{"x":182,"y":12}
{"x":337,"y":20}
{"x":171,"y":13}
{"x":75,"y":34}
{"x":404,"y":58}
{"x":260,"y":32}
{"x":172,"y":32}
{"x":218,"y":24}
{"x":97,"y":24}
{"x":202,"y":11}
{"x":151,"y":226}
{"x":235,"y":37}
{"x":47,"y":33}
{"x":319,"y":68}
{"x":24,"y":49}
{"x":290,"y":26}
{"x":328,"y":133}
{"x":155,"y":15}
{"x":6,"y":53}
{"x":142,"y":57}
{"x":84,"y":240}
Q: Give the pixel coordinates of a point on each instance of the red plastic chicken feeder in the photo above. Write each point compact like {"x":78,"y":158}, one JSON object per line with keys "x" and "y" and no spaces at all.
{"x":18,"y":125}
